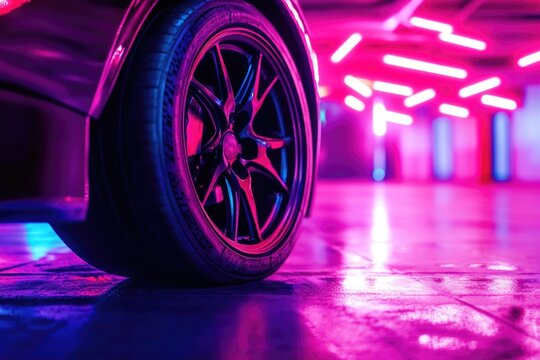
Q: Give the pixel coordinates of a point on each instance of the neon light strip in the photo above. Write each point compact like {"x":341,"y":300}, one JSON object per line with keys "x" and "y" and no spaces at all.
{"x":420,"y":98}
{"x":529,"y":59}
{"x":346,"y":48}
{"x":431,"y":25}
{"x":358,"y":85}
{"x":355,"y":103}
{"x":424,"y":66}
{"x":379,"y":119}
{"x":499,"y":102}
{"x":456,"y":111}
{"x":398,"y":118}
{"x":480,"y":87}
{"x":392,"y":88}
{"x":463,"y":41}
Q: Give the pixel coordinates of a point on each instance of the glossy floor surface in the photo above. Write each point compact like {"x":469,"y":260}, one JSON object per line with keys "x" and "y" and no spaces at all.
{"x":380,"y":271}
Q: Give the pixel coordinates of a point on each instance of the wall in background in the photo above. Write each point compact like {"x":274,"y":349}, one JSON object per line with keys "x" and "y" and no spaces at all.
{"x":499,"y":147}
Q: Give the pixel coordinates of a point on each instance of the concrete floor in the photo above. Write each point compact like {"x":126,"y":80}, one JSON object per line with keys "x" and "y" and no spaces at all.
{"x":380,"y":271}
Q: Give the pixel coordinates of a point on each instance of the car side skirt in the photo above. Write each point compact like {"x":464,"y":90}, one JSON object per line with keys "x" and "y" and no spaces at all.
{"x":43,"y":160}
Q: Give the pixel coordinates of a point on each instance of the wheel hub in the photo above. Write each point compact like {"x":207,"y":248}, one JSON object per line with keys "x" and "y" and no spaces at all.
{"x":245,"y":167}
{"x":231,"y":147}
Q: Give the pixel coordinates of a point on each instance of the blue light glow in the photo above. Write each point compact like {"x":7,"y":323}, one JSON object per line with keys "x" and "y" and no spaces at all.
{"x":41,"y":239}
{"x":443,"y":159}
{"x":501,"y":147}
{"x":379,"y":162}
{"x":379,"y":174}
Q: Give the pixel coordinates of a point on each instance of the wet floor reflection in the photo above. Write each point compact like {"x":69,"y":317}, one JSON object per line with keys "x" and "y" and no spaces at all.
{"x":380,"y":271}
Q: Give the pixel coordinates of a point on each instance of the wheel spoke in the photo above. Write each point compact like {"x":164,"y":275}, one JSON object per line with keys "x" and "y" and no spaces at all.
{"x":233,"y":209}
{"x":250,"y":94}
{"x":273,"y":144}
{"x":270,"y":143}
{"x":227,"y":91}
{"x":211,"y":144}
{"x":259,"y":102}
{"x":263,"y":165}
{"x":209,"y":185}
{"x":249,"y":87}
{"x":246,"y":190}
{"x":205,"y":96}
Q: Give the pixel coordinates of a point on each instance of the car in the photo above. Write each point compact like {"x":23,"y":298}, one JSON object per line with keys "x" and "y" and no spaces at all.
{"x":161,"y":139}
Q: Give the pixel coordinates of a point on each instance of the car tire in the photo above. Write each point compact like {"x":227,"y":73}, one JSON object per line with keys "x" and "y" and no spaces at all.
{"x":202,"y":164}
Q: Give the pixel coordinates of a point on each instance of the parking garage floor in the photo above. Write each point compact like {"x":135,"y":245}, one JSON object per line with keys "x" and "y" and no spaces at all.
{"x":380,"y":271}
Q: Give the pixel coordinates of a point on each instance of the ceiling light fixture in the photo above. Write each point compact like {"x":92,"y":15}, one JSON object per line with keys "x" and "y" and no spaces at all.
{"x":453,"y":110}
{"x":379,"y":119}
{"x":358,"y":85}
{"x":529,"y":59}
{"x":463,"y":41}
{"x":420,"y":98}
{"x":499,"y":102}
{"x":480,"y":87}
{"x":346,"y":48}
{"x":391,"y":88}
{"x":424,"y":66}
{"x":431,"y":25}
{"x":355,"y":103}
{"x":398,"y":118}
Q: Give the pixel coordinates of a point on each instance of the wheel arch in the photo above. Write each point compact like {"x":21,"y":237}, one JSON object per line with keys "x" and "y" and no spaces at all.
{"x":284,"y":14}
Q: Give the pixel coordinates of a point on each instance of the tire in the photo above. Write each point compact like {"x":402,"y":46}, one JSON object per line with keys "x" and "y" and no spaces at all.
{"x":201,"y":167}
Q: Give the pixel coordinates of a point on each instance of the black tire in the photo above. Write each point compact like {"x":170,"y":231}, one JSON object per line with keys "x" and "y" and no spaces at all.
{"x":150,"y":215}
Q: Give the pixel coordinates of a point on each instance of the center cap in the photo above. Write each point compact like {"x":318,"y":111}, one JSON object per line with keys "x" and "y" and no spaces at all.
{"x":231,"y":148}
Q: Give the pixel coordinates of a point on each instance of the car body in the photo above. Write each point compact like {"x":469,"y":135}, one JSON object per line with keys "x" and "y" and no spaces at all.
{"x":59,"y":63}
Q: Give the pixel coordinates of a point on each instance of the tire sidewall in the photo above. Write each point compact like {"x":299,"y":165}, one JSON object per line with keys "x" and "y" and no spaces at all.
{"x":190,"y":226}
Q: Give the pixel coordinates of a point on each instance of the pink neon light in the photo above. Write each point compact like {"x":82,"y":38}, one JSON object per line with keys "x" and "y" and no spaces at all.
{"x":379,"y":119}
{"x":402,"y":15}
{"x":346,"y":48}
{"x":420,"y":98}
{"x":392,"y":88}
{"x":463,"y":41}
{"x":424,"y":66}
{"x":499,"y":102}
{"x":398,"y":118}
{"x":453,"y":110}
{"x":358,"y":85}
{"x":355,"y":103}
{"x":7,"y":6}
{"x":529,"y":59}
{"x":391,"y":23}
{"x":431,"y":25}
{"x":480,"y":87}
